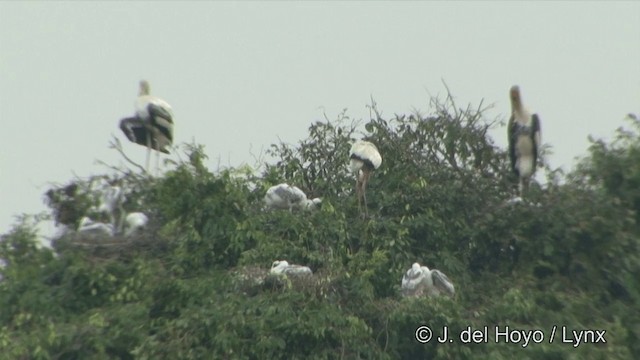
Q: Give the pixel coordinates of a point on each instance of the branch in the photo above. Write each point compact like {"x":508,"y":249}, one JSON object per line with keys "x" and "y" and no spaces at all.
{"x":116,"y":144}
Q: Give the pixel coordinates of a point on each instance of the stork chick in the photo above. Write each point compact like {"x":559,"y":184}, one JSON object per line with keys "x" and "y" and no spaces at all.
{"x":420,"y":280}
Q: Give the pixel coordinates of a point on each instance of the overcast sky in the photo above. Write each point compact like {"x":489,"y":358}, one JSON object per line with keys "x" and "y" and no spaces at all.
{"x":240,"y":75}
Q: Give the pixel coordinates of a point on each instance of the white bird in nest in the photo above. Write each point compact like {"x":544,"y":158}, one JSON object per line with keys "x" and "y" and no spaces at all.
{"x":420,"y":280}
{"x":285,"y":196}
{"x":152,"y":125}
{"x":94,"y":228}
{"x":524,"y":140}
{"x":282,"y":267}
{"x":515,"y":200}
{"x":135,"y":222}
{"x":112,"y":203}
{"x":364,"y":158}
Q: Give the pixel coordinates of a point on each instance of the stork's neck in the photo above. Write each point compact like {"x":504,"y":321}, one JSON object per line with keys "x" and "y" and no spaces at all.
{"x":520,"y":113}
{"x":144,"y":88}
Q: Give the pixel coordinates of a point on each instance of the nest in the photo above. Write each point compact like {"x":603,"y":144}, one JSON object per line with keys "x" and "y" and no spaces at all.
{"x":113,"y":247}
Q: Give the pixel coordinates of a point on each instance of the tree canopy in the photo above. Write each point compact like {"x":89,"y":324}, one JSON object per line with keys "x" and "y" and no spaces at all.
{"x":192,"y":285}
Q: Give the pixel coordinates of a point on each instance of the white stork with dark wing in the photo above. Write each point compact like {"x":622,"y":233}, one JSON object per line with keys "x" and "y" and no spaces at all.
{"x":282,"y":267}
{"x":364,"y":158}
{"x":152,"y":125}
{"x":420,"y":281}
{"x":285,"y":196}
{"x":524,"y":140}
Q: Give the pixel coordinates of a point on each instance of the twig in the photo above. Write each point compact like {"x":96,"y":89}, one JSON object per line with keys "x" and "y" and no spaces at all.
{"x":115,"y":144}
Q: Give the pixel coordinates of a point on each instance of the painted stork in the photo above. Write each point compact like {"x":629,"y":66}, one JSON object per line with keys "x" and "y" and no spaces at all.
{"x":364,"y":158}
{"x":420,"y":280}
{"x":112,"y":204}
{"x":285,"y":196}
{"x":282,"y":267}
{"x":524,"y":140}
{"x":152,"y":125}
{"x":94,"y":228}
{"x":134,"y":222}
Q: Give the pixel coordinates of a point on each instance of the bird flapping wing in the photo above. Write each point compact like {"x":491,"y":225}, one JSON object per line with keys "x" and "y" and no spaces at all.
{"x":161,"y":119}
{"x":442,"y":282}
{"x":137,"y":131}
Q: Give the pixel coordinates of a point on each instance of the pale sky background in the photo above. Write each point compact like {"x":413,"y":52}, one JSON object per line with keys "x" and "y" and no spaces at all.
{"x":241,"y":74}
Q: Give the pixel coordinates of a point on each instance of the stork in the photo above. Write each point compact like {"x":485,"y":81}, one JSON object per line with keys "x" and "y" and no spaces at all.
{"x":420,"y":280}
{"x":285,"y":196}
{"x":152,"y":125}
{"x":364,"y":158}
{"x":524,"y":140}
{"x":282,"y":267}
{"x":94,"y":228}
{"x":135,"y":222}
{"x":113,"y":204}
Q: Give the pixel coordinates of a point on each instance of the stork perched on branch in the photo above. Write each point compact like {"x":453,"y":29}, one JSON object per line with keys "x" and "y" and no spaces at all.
{"x":524,"y":140}
{"x":152,"y":124}
{"x":364,"y":158}
{"x":420,"y":280}
{"x":285,"y":196}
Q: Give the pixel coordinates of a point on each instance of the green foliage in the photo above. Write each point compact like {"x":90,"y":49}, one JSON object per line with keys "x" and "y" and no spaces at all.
{"x":195,"y":285}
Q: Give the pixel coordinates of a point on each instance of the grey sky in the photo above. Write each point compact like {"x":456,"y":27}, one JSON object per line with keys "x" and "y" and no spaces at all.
{"x":240,"y":75}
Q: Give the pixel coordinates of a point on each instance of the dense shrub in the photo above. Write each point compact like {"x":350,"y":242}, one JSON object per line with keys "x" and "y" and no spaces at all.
{"x":194,"y":285}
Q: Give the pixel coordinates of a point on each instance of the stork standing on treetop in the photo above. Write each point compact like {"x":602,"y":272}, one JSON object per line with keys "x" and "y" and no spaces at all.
{"x":152,"y":125}
{"x":524,"y":140}
{"x":364,"y":158}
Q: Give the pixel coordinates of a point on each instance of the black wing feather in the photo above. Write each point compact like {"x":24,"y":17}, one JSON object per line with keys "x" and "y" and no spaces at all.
{"x":136,"y":130}
{"x":535,"y":130}
{"x":165,"y":127}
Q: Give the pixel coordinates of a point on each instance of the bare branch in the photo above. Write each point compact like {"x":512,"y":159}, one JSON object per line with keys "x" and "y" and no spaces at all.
{"x":116,"y":144}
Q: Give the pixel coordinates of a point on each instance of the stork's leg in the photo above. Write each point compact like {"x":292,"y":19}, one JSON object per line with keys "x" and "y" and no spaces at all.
{"x":157,"y":162}
{"x":358,"y":192}
{"x":148,"y":152}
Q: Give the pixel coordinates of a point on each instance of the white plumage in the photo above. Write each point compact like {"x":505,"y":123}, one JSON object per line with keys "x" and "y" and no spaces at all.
{"x":514,"y":200}
{"x":420,"y":281}
{"x":524,"y":140}
{"x":90,"y":227}
{"x":152,"y":125}
{"x":363,"y":159}
{"x":134,"y":222}
{"x":282,"y":267}
{"x":111,"y":203}
{"x":285,"y":196}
